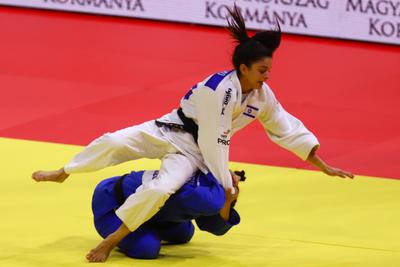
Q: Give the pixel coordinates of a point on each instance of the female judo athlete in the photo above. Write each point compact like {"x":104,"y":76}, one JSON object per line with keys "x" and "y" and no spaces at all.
{"x":196,"y":136}
{"x":201,"y":198}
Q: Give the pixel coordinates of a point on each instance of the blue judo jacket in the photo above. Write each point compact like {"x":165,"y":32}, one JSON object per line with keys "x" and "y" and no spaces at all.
{"x":201,"y":199}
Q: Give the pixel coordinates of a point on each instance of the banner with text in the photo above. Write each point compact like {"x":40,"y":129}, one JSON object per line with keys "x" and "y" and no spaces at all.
{"x":367,"y":20}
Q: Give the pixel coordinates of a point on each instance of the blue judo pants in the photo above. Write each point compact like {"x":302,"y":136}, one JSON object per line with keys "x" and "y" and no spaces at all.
{"x":143,"y":243}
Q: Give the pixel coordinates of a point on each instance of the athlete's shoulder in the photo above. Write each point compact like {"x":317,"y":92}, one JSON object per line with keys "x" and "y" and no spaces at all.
{"x":267,"y":98}
{"x":267,"y":93}
{"x":216,"y":79}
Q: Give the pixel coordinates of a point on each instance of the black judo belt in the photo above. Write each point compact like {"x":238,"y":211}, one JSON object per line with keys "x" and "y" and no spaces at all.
{"x":118,"y":190}
{"x":188,"y":125}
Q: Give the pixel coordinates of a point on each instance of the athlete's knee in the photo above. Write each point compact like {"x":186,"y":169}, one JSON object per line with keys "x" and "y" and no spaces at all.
{"x":147,"y":247}
{"x":113,"y":140}
{"x":167,"y":183}
{"x":160,"y":186}
{"x":144,"y":253}
{"x":185,"y":236}
{"x":178,"y":234}
{"x":175,"y":170}
{"x":103,"y":185}
{"x":107,"y":223}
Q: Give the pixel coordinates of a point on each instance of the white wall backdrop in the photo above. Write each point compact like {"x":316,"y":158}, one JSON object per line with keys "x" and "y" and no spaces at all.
{"x":368,"y":20}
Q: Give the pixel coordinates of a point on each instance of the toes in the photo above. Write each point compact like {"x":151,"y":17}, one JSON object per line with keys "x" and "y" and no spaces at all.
{"x":89,"y":256}
{"x":38,"y":176}
{"x":97,"y":258}
{"x":92,"y":256}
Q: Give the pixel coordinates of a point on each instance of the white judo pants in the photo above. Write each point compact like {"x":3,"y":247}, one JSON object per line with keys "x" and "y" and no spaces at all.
{"x":140,"y":141}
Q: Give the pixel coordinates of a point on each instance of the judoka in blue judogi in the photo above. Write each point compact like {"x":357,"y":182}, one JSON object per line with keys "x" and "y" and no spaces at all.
{"x":202,"y":198}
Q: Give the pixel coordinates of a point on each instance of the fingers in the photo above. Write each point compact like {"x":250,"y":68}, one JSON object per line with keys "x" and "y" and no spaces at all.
{"x":236,"y":194}
{"x":332,"y":171}
{"x":340,"y":173}
{"x":235,"y":179}
{"x":344,"y":174}
{"x":349,"y":174}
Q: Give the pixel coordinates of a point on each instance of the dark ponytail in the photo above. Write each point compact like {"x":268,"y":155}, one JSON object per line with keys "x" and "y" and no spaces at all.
{"x":236,"y":26}
{"x":249,"y":50}
{"x":270,"y":39}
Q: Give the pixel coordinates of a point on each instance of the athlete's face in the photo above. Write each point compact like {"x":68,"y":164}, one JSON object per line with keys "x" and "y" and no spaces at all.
{"x":254,"y":76}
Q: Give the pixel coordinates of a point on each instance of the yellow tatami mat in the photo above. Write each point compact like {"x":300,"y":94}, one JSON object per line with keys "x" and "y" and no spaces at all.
{"x":289,"y":217}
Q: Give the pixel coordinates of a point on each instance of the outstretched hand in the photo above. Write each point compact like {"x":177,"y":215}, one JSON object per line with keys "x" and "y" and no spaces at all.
{"x":316,"y":161}
{"x":332,"y":171}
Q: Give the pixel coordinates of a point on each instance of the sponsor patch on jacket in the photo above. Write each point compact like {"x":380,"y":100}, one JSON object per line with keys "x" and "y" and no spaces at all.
{"x":222,"y":141}
{"x":227,"y":98}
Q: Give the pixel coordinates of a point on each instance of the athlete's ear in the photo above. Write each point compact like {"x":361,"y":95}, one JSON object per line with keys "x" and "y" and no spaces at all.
{"x":243,"y":69}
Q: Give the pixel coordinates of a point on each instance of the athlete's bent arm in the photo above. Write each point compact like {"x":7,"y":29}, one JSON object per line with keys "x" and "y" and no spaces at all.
{"x":289,"y":132}
{"x":219,"y":224}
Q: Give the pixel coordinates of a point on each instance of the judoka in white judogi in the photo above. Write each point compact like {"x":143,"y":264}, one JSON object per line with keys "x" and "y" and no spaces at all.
{"x":219,"y":109}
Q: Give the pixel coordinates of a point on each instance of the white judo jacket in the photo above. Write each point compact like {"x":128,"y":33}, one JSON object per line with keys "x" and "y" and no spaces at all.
{"x":220,"y":109}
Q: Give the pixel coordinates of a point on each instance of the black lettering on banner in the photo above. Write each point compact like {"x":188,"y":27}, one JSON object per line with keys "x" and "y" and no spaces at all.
{"x":353,"y":5}
{"x":373,"y":28}
{"x":106,"y":4}
{"x":137,"y":4}
{"x":381,"y":7}
{"x":323,"y":4}
{"x":253,"y":15}
{"x":258,"y":15}
{"x":314,"y":3}
{"x":398,"y":30}
{"x":388,"y":29}
{"x":384,"y":28}
{"x":302,"y":3}
{"x":133,"y":5}
{"x":209,"y":11}
{"x":218,"y":12}
{"x":396,"y":8}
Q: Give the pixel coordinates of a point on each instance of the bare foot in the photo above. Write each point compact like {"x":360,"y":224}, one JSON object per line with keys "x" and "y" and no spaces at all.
{"x":57,"y":176}
{"x":101,"y":252}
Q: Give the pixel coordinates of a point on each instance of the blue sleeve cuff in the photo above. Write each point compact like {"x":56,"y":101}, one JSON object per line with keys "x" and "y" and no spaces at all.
{"x":216,"y":225}
{"x":234,"y":218}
